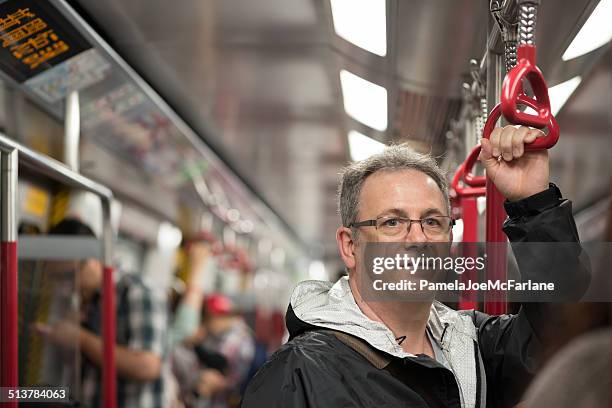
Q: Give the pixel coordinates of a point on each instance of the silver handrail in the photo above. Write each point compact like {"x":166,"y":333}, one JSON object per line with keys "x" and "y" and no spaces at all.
{"x":13,"y":154}
{"x":58,"y":171}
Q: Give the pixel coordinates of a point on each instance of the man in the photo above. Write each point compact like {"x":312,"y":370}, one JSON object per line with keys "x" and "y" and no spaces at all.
{"x":578,"y":376}
{"x":141,"y":324}
{"x":348,"y":351}
{"x":228,"y":335}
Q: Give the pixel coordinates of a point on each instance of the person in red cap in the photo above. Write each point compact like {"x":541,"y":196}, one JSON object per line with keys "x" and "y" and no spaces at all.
{"x":225,"y":349}
{"x":218,"y":305}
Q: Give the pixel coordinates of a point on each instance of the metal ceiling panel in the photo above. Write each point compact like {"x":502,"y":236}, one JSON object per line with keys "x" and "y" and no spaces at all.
{"x":435,"y":41}
{"x":258,"y":80}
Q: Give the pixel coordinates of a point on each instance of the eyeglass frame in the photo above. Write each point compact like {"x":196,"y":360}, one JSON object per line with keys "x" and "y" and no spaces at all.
{"x":372,"y":223}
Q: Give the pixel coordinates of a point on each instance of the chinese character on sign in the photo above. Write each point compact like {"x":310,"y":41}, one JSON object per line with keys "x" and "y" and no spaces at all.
{"x":39,"y":49}
{"x":55,"y":49}
{"x":15,"y":18}
{"x":20,"y":33}
{"x":35,"y":37}
{"x":33,"y":44}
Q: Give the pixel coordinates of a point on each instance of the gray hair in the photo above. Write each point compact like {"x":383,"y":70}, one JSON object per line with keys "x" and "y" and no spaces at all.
{"x":395,"y":157}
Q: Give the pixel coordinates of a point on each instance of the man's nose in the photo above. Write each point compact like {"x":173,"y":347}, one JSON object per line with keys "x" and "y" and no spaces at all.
{"x":415,"y":232}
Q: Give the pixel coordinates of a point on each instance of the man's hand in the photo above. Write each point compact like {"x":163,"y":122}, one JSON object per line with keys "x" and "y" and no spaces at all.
{"x":516,"y":173}
{"x":63,"y":333}
{"x":211,"y":382}
{"x":199,"y":253}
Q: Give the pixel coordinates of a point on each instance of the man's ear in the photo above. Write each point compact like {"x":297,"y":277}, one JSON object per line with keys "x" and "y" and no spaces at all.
{"x":346,"y":246}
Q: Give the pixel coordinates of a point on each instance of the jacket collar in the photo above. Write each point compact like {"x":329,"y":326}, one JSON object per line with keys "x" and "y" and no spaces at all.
{"x":323,"y":304}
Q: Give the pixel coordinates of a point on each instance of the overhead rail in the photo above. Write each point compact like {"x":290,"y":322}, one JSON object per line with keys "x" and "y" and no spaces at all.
{"x":13,"y":155}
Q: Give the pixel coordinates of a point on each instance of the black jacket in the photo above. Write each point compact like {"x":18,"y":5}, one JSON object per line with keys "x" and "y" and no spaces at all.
{"x":318,"y":368}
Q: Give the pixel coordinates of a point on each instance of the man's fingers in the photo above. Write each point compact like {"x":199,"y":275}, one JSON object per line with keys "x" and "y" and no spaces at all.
{"x":486,"y":154}
{"x":494,"y":138}
{"x":505,"y":142}
{"x":518,"y":141}
{"x":532,"y":134}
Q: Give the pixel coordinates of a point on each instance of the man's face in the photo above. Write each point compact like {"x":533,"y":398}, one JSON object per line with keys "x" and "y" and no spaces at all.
{"x":403,"y":193}
{"x":90,"y":276}
{"x":408,"y":194}
{"x":84,"y":276}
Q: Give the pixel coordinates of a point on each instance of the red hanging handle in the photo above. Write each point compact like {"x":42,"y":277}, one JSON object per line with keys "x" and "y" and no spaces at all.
{"x":468,"y":177}
{"x":513,"y":93}
{"x":543,"y":142}
{"x":461,"y":191}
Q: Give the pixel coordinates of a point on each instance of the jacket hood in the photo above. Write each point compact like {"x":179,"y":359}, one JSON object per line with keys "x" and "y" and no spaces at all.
{"x":320,"y":304}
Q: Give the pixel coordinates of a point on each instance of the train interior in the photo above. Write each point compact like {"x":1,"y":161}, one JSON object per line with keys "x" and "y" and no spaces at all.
{"x":162,"y":125}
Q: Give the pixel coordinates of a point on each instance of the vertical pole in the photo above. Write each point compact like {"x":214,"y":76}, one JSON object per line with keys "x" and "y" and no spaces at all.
{"x":72,"y":125}
{"x":8,"y":274}
{"x":495,"y":302}
{"x":108,"y":313}
{"x":469,"y":215}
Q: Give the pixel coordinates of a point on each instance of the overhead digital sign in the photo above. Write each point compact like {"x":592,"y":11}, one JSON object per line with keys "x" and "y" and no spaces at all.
{"x":34,"y":36}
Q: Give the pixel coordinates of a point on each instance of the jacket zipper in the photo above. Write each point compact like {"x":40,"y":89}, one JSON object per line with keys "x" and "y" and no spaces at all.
{"x":478,"y":374}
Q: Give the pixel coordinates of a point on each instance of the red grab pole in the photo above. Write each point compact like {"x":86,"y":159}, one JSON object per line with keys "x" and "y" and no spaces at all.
{"x":109,"y":377}
{"x":9,"y":373}
{"x":495,"y":301}
{"x":469,"y":211}
{"x":496,"y":261}
{"x":465,"y":207}
{"x":108,"y":339}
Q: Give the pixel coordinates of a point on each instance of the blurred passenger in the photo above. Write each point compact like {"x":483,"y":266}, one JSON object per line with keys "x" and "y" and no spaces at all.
{"x":141,"y":325}
{"x":227,"y":334}
{"x":221,"y":352}
{"x":346,"y":350}
{"x":186,"y":319}
{"x":186,"y":323}
{"x":578,"y":376}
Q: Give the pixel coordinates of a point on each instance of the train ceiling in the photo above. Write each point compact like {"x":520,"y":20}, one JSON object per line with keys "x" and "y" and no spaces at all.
{"x":258,"y":81}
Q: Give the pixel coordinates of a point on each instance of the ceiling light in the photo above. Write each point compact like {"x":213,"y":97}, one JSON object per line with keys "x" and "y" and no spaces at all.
{"x":559,"y":94}
{"x":597,"y":31}
{"x":361,"y":147}
{"x":362,"y":22}
{"x":364,"y":101}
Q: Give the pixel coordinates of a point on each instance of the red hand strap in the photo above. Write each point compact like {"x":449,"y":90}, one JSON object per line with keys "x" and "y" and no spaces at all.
{"x":514,"y":95}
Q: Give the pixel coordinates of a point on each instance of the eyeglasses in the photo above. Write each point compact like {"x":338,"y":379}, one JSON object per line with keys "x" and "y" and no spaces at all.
{"x":433,"y":227}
